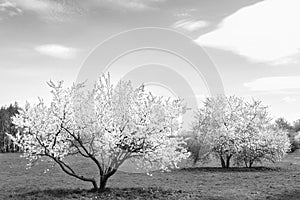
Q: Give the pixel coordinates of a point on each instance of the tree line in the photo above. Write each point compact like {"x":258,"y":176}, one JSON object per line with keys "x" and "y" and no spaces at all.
{"x":6,"y":126}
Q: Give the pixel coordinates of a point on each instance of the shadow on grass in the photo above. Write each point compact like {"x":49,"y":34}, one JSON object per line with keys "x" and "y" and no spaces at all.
{"x":290,"y":195}
{"x":232,"y":169}
{"x":109,"y":194}
{"x":113,"y":194}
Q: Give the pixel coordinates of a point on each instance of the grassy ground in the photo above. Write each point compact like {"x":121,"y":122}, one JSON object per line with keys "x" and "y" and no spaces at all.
{"x":280,"y":181}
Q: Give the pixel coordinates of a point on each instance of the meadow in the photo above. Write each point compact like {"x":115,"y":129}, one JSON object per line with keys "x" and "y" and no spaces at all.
{"x":270,"y":181}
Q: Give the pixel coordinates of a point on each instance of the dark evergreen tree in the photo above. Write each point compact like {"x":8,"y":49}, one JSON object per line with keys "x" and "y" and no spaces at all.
{"x":6,"y":126}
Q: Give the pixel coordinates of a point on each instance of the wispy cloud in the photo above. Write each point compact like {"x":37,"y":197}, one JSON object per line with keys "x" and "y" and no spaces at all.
{"x":34,"y":5}
{"x":61,"y":11}
{"x":274,"y":83}
{"x":57,"y":51}
{"x":9,"y":9}
{"x":190,"y":25}
{"x":48,"y":10}
{"x":264,"y":32}
{"x":129,"y":5}
{"x":289,"y":99}
{"x":133,"y":5}
{"x":185,"y":12}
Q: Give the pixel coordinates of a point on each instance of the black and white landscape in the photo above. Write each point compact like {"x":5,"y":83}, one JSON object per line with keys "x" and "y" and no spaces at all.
{"x":149,"y":99}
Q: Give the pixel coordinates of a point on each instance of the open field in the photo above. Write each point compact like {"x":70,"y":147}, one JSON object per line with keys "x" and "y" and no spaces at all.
{"x":280,"y":181}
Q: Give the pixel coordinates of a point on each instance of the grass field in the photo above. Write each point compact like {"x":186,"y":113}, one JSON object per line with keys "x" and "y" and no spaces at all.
{"x":279,"y":181}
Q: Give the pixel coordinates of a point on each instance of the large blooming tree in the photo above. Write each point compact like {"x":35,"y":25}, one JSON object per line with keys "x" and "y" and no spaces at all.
{"x":107,"y":125}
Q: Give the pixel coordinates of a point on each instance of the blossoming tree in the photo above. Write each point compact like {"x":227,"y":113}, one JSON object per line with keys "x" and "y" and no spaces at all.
{"x":231,"y":127}
{"x":257,"y":138}
{"x":107,"y":125}
{"x":216,"y":122}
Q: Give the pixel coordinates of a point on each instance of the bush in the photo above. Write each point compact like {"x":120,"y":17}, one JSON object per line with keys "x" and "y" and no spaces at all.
{"x":295,"y":141}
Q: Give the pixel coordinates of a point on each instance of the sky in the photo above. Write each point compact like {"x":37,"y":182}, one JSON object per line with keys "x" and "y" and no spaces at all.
{"x":254,"y":45}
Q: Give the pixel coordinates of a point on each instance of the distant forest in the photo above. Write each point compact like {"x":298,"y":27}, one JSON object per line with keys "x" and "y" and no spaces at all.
{"x":6,"y":126}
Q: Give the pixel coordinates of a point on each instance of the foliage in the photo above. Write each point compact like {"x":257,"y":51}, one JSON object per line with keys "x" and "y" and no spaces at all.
{"x":297,"y":125}
{"x":283,"y":124}
{"x":292,"y":131}
{"x":6,"y":126}
{"x":295,"y":135}
{"x":234,"y":128}
{"x":107,"y":125}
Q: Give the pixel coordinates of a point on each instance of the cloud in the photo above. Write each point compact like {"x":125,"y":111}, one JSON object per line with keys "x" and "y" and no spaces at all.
{"x":185,"y":12}
{"x":9,"y":9}
{"x":65,"y":10}
{"x":35,"y":5}
{"x":49,"y":10}
{"x":132,"y":5}
{"x":274,"y":83}
{"x":182,"y":14}
{"x":190,"y":25}
{"x":57,"y":51}
{"x":264,"y":32}
{"x":288,"y":99}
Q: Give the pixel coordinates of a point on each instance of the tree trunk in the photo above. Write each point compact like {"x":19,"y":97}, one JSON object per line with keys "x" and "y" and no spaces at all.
{"x":222,"y":162}
{"x":228,"y":161}
{"x":104,"y":178}
{"x":250,"y":164}
{"x":103,"y":182}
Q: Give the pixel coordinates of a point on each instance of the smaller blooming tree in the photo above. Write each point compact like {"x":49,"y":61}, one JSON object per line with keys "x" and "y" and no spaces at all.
{"x":258,"y":138}
{"x":232,"y":128}
{"x":269,"y":143}
{"x":107,"y":125}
